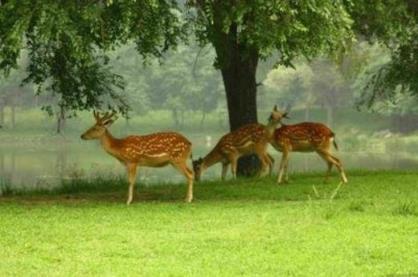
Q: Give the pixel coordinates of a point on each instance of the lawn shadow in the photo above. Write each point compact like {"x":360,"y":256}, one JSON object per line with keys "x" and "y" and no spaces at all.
{"x":302,"y":187}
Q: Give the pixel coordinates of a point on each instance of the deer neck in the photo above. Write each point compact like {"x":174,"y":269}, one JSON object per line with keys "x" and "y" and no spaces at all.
{"x":109,"y":143}
{"x":271,"y":127}
{"x":210,"y":159}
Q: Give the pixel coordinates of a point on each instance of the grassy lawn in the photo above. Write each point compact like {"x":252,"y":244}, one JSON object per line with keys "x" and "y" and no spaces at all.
{"x":245,"y":227}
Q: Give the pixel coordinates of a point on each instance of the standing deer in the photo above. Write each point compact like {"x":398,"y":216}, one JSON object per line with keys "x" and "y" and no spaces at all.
{"x":154,"y":150}
{"x":306,"y":137}
{"x":249,"y":139}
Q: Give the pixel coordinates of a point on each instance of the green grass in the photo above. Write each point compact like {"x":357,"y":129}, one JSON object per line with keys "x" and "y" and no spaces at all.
{"x":245,"y":227}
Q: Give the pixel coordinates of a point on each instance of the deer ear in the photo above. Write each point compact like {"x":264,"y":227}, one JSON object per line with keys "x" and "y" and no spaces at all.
{"x":275,"y":108}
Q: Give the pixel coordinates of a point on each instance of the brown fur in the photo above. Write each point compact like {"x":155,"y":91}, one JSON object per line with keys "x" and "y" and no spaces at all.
{"x":249,"y":139}
{"x":306,"y":137}
{"x":154,"y":150}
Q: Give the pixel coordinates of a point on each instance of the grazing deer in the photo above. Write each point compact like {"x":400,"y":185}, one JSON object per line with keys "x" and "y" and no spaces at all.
{"x":306,"y":137}
{"x":154,"y":150}
{"x":249,"y":139}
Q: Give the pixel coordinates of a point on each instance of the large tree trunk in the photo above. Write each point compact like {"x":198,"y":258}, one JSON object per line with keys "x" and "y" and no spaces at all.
{"x":241,"y":91}
{"x":239,"y":66}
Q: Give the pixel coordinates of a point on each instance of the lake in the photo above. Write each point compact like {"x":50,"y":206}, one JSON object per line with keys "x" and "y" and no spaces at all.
{"x":46,"y":164}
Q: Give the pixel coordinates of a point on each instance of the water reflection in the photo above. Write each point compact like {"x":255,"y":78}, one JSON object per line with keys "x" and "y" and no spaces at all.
{"x":39,"y":167}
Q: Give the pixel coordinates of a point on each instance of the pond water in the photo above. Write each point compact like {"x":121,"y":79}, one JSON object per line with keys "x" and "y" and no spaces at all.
{"x":46,"y":165}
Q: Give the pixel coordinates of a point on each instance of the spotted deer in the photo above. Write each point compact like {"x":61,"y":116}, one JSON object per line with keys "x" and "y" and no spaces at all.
{"x":153,"y":150}
{"x":249,"y":139}
{"x":306,"y":137}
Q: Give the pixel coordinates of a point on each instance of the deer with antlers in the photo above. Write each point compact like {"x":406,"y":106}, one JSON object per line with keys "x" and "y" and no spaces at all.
{"x":306,"y":137}
{"x":153,"y":150}
{"x":249,"y":139}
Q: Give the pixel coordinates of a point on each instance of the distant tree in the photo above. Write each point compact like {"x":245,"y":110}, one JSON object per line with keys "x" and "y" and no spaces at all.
{"x":400,"y":102}
{"x":329,"y":88}
{"x":12,"y":94}
{"x":289,"y":87}
{"x":394,"y":24}
{"x":137,"y":88}
{"x":186,"y":83}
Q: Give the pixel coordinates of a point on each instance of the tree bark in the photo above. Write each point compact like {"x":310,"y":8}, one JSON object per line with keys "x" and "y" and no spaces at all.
{"x":241,"y":92}
{"x":238,"y":64}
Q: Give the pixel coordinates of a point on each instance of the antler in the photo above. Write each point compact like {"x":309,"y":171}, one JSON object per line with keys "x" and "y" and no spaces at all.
{"x":108,"y":115}
{"x":104,"y":117}
{"x":96,"y":115}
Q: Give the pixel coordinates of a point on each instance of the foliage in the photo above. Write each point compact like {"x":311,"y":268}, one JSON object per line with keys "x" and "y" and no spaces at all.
{"x":66,"y":40}
{"x":370,"y":91}
{"x":185,"y":82}
{"x":318,"y":82}
{"x":290,"y":87}
{"x":329,"y":87}
{"x":293,"y":28}
{"x":395,"y":24}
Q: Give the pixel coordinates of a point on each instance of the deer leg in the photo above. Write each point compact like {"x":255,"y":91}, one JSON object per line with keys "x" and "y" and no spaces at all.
{"x":264,"y":164}
{"x":286,"y":172}
{"x":328,"y":174}
{"x":224,"y":170}
{"x":270,"y":160}
{"x":132,"y":171}
{"x":188,"y":173}
{"x":334,"y":161}
{"x":262,"y":156}
{"x":234,"y":163}
{"x":341,"y":169}
{"x":282,"y":166}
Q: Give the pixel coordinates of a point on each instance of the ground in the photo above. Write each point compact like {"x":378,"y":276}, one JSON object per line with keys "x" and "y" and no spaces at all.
{"x":245,"y":227}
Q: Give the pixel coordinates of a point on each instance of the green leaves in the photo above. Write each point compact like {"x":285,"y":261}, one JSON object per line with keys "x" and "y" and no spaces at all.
{"x":293,"y":28}
{"x":67,"y":40}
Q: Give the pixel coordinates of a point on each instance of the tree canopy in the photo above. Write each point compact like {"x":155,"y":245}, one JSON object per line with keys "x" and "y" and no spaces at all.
{"x":68,"y":42}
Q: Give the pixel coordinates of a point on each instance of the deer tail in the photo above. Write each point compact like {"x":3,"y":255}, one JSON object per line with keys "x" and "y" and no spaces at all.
{"x":334,"y":142}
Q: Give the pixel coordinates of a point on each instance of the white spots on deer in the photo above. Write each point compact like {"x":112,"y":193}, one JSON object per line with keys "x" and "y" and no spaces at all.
{"x":159,"y":155}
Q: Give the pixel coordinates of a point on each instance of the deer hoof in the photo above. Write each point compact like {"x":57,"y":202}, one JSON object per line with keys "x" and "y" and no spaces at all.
{"x":188,"y":199}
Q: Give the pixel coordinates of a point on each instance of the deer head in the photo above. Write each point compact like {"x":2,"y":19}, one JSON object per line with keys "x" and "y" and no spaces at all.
{"x":197,"y":168}
{"x":276,"y":116}
{"x":99,"y":129}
